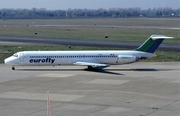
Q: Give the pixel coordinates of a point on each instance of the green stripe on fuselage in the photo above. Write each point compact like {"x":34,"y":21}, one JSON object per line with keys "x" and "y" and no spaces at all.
{"x":146,"y":45}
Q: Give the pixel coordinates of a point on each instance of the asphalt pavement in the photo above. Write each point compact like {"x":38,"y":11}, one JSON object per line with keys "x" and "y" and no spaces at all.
{"x":82,"y":42}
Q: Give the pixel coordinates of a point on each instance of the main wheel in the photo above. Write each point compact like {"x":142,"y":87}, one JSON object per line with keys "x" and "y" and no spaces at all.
{"x":90,"y":67}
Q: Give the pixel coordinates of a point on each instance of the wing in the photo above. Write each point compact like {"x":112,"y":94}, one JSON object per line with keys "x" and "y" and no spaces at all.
{"x":91,"y":64}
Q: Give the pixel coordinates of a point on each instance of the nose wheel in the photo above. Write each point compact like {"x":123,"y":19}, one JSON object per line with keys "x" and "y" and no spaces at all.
{"x":13,"y":68}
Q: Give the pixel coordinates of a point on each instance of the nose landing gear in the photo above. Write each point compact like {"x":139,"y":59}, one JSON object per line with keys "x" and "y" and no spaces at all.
{"x":13,"y":68}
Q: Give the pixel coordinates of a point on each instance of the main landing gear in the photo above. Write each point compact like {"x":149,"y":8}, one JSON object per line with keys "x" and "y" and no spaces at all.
{"x":90,"y":67}
{"x":13,"y":68}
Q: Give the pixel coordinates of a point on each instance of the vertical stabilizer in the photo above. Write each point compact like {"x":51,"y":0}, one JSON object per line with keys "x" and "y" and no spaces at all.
{"x":152,"y":43}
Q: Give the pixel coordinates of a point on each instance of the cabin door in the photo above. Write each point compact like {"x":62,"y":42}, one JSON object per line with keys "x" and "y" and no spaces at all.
{"x":117,"y":60}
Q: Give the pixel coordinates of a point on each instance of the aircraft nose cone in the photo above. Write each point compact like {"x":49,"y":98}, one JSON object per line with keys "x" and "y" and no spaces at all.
{"x":7,"y":61}
{"x":11,"y":61}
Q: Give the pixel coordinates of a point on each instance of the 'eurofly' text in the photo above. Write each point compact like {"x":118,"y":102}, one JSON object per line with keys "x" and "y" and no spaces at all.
{"x":47,"y":60}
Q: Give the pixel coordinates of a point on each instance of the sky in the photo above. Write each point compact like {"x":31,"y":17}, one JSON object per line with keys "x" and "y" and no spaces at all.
{"x":89,"y":4}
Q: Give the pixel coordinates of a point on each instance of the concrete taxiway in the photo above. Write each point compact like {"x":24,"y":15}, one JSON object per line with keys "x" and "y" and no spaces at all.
{"x":139,"y":89}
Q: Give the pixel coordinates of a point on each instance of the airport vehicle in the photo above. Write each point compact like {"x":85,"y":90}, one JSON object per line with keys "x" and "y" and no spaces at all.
{"x":91,"y":59}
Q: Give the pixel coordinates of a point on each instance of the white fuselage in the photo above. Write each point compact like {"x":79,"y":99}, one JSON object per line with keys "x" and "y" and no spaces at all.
{"x":28,"y":58}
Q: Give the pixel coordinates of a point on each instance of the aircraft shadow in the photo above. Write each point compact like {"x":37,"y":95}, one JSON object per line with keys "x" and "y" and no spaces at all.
{"x":102,"y":71}
{"x":99,"y":70}
{"x":90,"y":70}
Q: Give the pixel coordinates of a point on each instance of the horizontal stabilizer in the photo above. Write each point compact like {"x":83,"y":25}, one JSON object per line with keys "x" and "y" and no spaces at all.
{"x":155,"y":37}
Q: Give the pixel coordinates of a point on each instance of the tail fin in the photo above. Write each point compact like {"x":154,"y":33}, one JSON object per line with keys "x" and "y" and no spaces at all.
{"x":152,"y":43}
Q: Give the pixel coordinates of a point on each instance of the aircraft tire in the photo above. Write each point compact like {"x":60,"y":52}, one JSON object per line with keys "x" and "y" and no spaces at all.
{"x":13,"y":68}
{"x":90,"y":67}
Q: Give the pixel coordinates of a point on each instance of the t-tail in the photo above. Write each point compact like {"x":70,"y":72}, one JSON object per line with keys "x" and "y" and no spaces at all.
{"x":152,"y":43}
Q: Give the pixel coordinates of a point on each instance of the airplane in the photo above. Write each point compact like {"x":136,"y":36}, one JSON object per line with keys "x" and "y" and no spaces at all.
{"x":91,"y":59}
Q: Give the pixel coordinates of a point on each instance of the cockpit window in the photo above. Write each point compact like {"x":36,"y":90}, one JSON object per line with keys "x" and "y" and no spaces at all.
{"x":15,"y":55}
